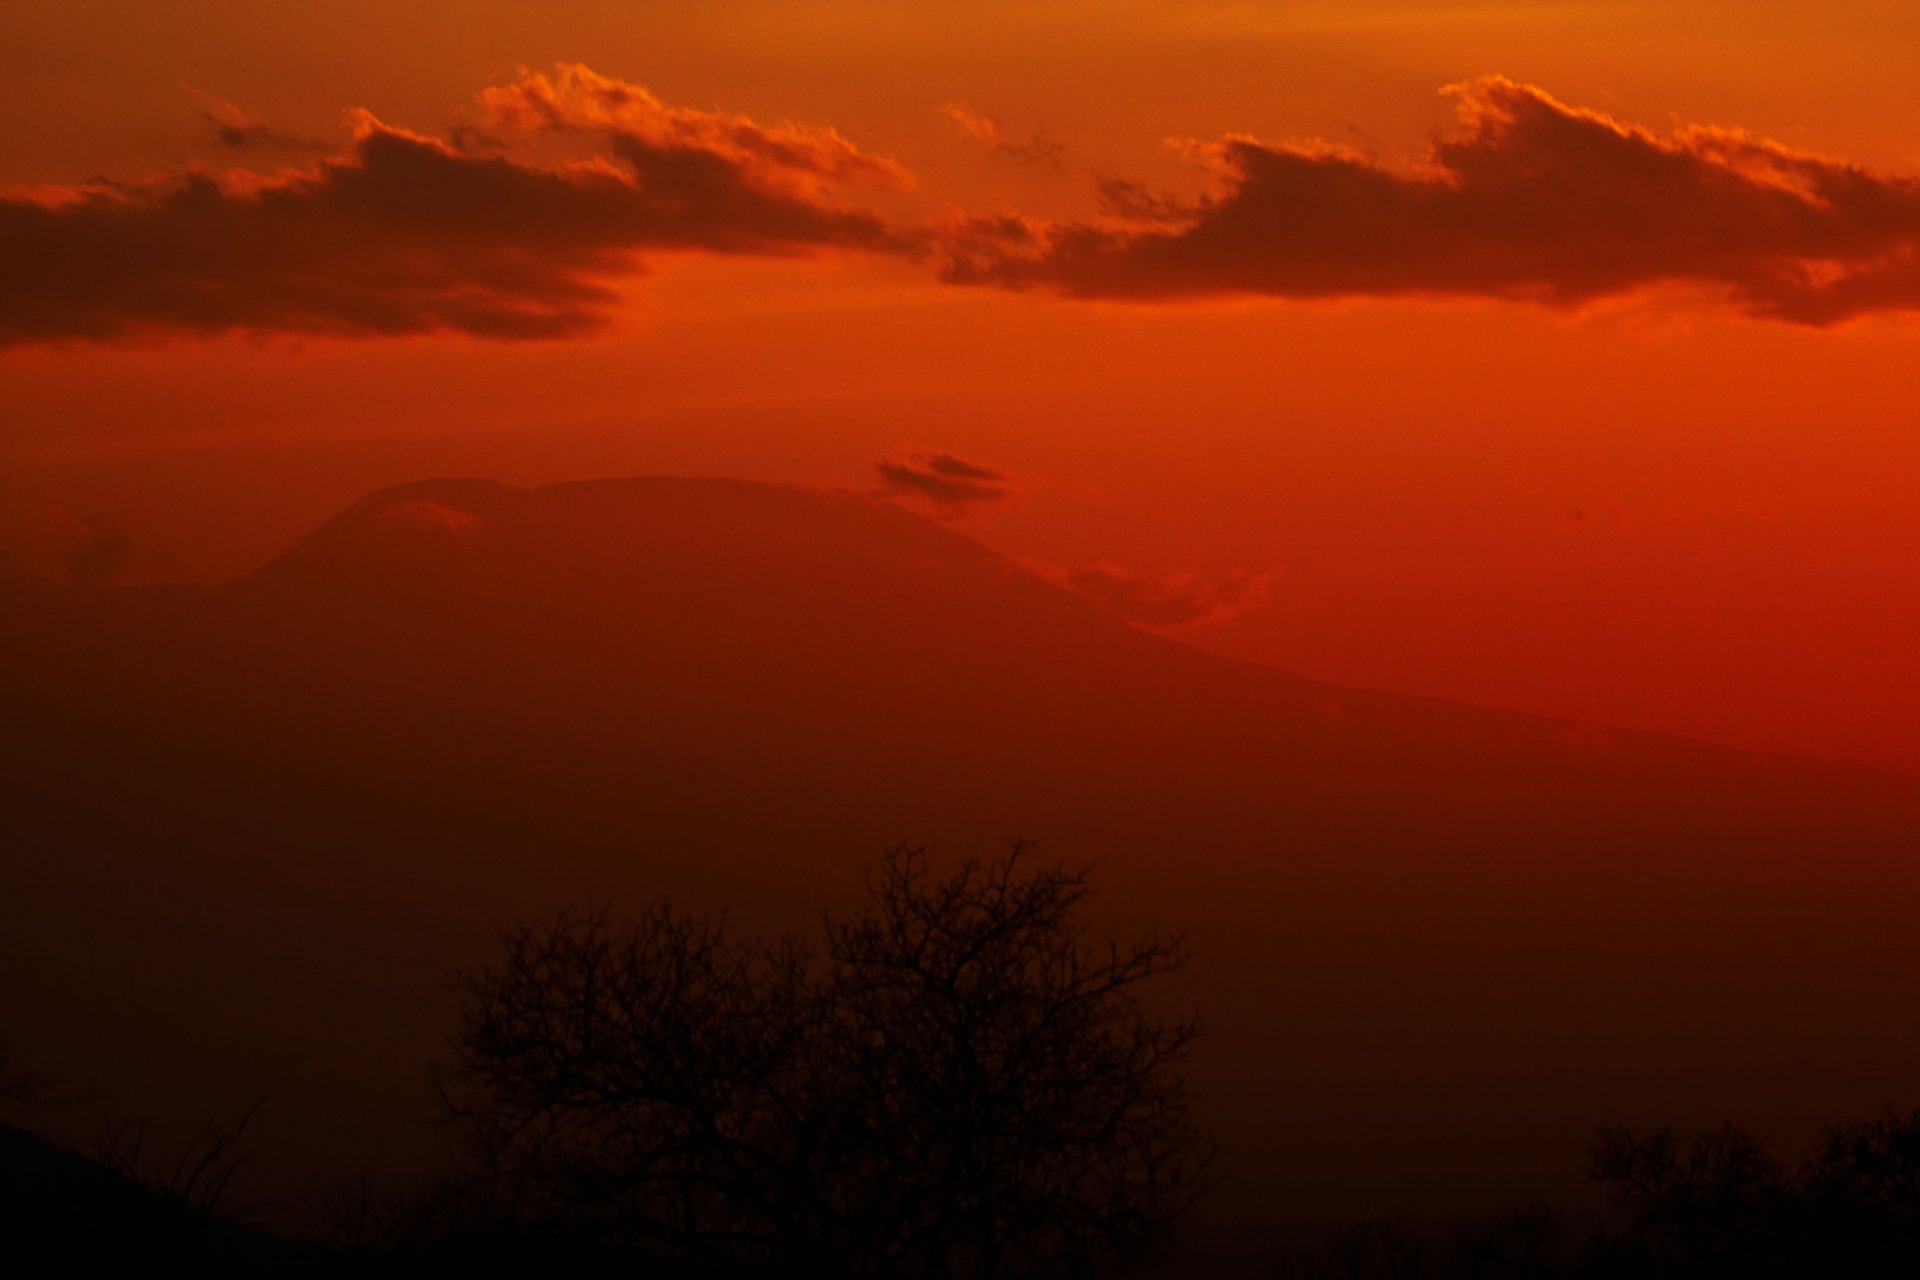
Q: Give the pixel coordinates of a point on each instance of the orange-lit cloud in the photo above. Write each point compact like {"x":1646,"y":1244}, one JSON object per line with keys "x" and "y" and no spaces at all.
{"x":578,"y":100}
{"x":1162,"y":600}
{"x":405,"y":233}
{"x":1532,"y":199}
{"x":949,"y":483}
{"x":521,"y":220}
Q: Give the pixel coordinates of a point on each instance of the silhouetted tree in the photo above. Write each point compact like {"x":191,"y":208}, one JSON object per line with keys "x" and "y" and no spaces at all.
{"x":646,"y":1082}
{"x":1862,"y":1192}
{"x":1719,"y":1205}
{"x":1028,"y":1110}
{"x":959,"y":1082}
{"x":1704,"y":1207}
{"x":1717,"y":1199}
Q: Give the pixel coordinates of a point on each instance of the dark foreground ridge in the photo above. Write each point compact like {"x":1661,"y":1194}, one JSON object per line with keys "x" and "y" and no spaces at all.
{"x":65,"y":1212}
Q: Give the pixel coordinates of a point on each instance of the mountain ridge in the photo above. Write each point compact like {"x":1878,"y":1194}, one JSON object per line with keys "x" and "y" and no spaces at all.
{"x":436,"y":508}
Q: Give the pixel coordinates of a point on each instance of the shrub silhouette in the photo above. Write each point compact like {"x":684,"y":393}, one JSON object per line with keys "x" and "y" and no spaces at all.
{"x":1700,"y":1207}
{"x":959,"y":1083}
{"x":1712,"y":1204}
{"x":197,"y":1178}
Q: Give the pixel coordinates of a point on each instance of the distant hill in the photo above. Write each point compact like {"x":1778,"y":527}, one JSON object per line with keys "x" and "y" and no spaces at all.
{"x":245,"y":828}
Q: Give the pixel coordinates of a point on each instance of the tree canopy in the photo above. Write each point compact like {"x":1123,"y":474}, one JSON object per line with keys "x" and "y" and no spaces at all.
{"x":957,"y":1080}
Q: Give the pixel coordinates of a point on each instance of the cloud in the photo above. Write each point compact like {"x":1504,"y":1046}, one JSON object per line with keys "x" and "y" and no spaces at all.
{"x":523,"y":218}
{"x":1164,"y":600}
{"x":576,"y":100}
{"x":405,"y":233}
{"x":951,"y":483}
{"x":242,"y":131}
{"x":1040,"y":148}
{"x":1530,"y":199}
{"x":101,"y":557}
{"x":85,"y":551}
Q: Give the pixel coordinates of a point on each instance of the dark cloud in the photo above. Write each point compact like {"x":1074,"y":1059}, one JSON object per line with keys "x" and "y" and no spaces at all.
{"x":1532,"y":199}
{"x":1163,"y":600}
{"x":258,"y":135}
{"x":948,"y":482}
{"x":240,"y":130}
{"x":98,"y":557}
{"x":56,"y":546}
{"x":405,"y":233}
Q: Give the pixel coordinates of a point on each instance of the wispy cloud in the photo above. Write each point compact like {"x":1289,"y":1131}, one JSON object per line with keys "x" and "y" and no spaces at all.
{"x":1172,"y":600}
{"x":1038,"y":147}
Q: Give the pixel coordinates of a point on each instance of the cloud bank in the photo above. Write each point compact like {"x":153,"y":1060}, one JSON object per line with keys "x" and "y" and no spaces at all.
{"x":523,"y":219}
{"x":403,"y":233}
{"x":1532,"y":200}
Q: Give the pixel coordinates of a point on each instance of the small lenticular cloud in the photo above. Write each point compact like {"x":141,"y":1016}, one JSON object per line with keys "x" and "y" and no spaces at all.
{"x":949,"y":482}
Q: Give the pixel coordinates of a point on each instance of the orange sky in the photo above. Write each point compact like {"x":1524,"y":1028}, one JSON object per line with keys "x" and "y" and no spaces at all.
{"x":1504,"y":428}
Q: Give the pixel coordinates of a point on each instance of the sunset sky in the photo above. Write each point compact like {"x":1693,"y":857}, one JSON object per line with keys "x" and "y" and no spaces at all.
{"x":1552,"y":356}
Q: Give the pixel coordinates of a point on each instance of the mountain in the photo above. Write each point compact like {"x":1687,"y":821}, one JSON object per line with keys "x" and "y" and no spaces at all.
{"x":245,"y":829}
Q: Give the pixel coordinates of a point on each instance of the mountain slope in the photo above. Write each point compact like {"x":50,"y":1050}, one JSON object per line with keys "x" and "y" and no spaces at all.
{"x":248,"y":826}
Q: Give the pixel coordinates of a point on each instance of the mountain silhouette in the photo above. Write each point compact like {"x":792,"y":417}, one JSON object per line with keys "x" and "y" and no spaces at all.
{"x":246,"y":828}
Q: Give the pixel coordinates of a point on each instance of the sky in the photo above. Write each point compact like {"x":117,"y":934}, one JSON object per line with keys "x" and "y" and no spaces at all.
{"x":1545,"y":356}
